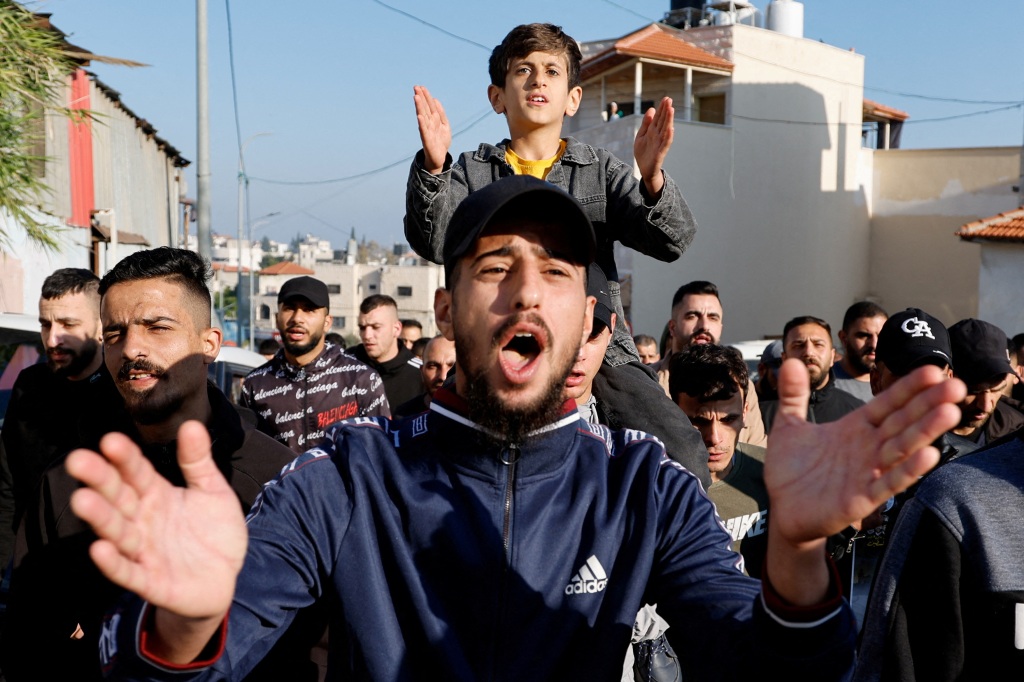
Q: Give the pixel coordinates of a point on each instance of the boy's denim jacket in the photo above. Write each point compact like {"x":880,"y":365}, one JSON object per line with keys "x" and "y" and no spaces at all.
{"x":614,"y":200}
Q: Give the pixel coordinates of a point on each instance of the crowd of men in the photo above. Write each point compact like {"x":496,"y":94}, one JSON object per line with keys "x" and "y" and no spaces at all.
{"x":128,"y":354}
{"x":539,"y":496}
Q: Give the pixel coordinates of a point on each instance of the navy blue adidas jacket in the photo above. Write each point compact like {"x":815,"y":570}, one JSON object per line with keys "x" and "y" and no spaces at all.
{"x":447,"y":558}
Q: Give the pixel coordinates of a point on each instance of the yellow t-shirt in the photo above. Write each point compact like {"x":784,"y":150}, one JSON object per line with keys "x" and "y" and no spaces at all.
{"x":538,"y":169}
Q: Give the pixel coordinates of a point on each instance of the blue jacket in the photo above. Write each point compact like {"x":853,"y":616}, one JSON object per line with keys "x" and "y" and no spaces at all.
{"x":449,"y":558}
{"x":614,"y":200}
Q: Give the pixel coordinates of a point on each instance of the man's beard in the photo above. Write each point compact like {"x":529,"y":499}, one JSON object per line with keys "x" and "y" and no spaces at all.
{"x":297,"y":349}
{"x":79,"y":359}
{"x":152,"y":406}
{"x":822,"y":379}
{"x":857,"y":361}
{"x":507,"y":424}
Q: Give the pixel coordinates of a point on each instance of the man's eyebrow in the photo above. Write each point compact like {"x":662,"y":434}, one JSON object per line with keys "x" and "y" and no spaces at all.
{"x":145,"y":321}
{"x":505,"y":250}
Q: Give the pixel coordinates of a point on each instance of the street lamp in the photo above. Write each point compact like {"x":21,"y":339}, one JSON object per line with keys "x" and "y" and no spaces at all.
{"x":243,"y":188}
{"x":252,"y":270}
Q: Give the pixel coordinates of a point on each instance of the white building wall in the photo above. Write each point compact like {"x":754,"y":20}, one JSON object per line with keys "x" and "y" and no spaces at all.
{"x":1001,"y":282}
{"x":920,"y":198}
{"x":782,"y":219}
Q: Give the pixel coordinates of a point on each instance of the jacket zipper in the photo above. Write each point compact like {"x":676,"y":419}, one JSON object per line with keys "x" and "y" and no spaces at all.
{"x":508,"y":457}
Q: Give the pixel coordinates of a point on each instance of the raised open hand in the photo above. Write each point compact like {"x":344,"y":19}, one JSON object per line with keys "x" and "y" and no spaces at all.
{"x":178,"y":548}
{"x":822,"y":478}
{"x":652,"y":143}
{"x":435,"y":131}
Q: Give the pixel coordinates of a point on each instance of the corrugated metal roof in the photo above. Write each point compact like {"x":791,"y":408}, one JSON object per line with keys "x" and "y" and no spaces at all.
{"x":286,"y":267}
{"x":655,"y":42}
{"x":1004,"y":227}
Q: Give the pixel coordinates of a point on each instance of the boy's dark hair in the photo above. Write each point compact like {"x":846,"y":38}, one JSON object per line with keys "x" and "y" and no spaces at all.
{"x":70,"y":281}
{"x":181,"y":266}
{"x":707,"y":373}
{"x":697,"y":287}
{"x":409,"y":322}
{"x":335,"y":338}
{"x":807,"y":319}
{"x":645,"y":340}
{"x":860,"y":310}
{"x":376,"y":301}
{"x":527,"y":38}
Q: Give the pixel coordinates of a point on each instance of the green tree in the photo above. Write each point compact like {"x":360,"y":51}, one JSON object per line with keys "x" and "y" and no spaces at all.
{"x":33,"y":66}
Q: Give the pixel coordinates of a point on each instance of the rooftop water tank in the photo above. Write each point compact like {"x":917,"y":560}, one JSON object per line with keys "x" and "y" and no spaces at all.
{"x":786,"y":17}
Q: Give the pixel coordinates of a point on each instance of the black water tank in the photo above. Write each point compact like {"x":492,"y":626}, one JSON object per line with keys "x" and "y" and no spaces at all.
{"x":687,"y":4}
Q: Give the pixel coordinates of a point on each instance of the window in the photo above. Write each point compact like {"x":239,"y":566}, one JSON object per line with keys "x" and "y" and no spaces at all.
{"x":334,"y":288}
{"x":372,"y":287}
{"x":711,"y":109}
{"x":405,"y":291}
{"x":264,"y":312}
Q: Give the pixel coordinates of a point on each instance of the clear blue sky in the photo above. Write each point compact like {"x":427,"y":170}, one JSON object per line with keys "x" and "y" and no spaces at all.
{"x":332,"y":81}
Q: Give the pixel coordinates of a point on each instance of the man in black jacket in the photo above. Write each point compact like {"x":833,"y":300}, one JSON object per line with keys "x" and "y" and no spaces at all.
{"x":982,"y":361}
{"x":809,"y":340}
{"x":379,"y":329}
{"x":158,"y":342}
{"x":44,"y":395}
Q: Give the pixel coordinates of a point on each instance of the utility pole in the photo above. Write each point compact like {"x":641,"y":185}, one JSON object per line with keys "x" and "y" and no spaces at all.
{"x":203,"y":235}
{"x":243,"y":190}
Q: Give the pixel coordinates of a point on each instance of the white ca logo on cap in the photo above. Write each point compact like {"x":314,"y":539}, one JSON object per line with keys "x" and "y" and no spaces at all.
{"x":916,"y":327}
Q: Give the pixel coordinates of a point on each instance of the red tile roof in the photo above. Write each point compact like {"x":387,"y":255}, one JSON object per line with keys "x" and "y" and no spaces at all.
{"x":656,"y":42}
{"x":875,"y":110}
{"x":286,"y":267}
{"x":1005,"y":227}
{"x":228,"y":268}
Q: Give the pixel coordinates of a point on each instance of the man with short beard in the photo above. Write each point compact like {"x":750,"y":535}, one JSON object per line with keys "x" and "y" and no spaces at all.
{"x":859,"y":337}
{"x":309,"y":384}
{"x":46,"y":399}
{"x":158,"y":342}
{"x":809,"y":340}
{"x":499,"y":534}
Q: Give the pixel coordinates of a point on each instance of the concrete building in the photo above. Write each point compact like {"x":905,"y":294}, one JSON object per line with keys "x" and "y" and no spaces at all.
{"x":800,"y":207}
{"x":116,"y":187}
{"x":412,"y":287}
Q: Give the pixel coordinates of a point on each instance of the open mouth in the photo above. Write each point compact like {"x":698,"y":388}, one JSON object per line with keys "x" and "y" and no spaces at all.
{"x":538,"y":99}
{"x":520,"y":347}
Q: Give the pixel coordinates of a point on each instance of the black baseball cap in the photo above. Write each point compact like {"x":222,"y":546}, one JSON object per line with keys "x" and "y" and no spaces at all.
{"x":309,"y":288}
{"x":980,"y":349}
{"x":535,"y":199}
{"x":912,"y":338}
{"x":597,"y":286}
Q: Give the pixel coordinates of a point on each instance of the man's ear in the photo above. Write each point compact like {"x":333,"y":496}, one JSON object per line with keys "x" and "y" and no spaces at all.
{"x":496,"y":96}
{"x":842,"y":337}
{"x":443,"y":313}
{"x":588,"y":319}
{"x":212,"y":338}
{"x":615,"y":320}
{"x":832,"y":358}
{"x":572,"y":105}
{"x":328,"y":321}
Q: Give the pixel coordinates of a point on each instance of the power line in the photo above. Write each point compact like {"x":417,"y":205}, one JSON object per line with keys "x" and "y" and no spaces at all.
{"x":375,"y":171}
{"x":627,"y":9}
{"x":234,"y":89}
{"x":433,"y":26}
{"x":1016,"y":105}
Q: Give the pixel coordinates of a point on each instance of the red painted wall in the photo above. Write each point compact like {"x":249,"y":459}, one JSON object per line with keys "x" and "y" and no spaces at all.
{"x":83,"y":198}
